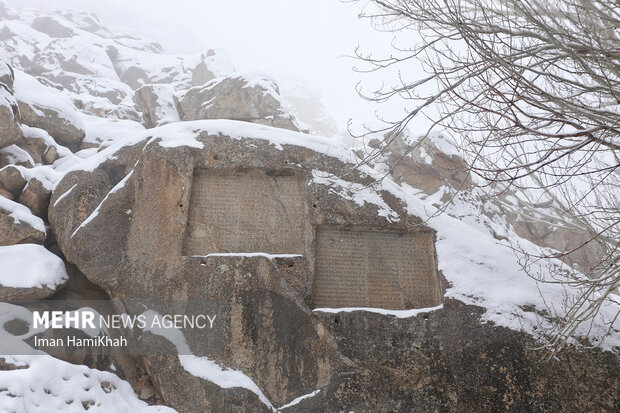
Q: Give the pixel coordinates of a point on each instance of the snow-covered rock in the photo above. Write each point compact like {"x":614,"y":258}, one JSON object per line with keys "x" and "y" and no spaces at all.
{"x":29,"y":271}
{"x":157,"y":105}
{"x":18,"y":225}
{"x":252,"y":98}
{"x":46,"y":108}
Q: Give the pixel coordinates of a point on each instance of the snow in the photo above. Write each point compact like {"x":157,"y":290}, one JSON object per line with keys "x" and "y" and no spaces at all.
{"x":425,"y":156}
{"x":30,"y":91}
{"x":394,"y":313}
{"x":186,"y":134}
{"x":300,"y":399}
{"x":36,"y":133}
{"x":14,"y":154}
{"x":358,"y":193}
{"x":64,"y":194}
{"x":30,"y":266}
{"x":248,"y":254}
{"x":52,"y":385}
{"x":105,"y":132}
{"x":21,"y":213}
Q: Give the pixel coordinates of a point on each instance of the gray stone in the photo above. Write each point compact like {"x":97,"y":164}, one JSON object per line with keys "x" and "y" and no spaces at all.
{"x":450,"y":361}
{"x":237,"y":98}
{"x":8,"y":294}
{"x":14,"y":155}
{"x":35,"y":146}
{"x":7,"y":76}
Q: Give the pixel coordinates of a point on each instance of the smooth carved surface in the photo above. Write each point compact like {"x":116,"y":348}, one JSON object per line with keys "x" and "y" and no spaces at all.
{"x":245,"y":212}
{"x":375,"y":269}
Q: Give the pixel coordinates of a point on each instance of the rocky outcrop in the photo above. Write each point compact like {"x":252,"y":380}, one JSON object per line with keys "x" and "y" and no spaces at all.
{"x":52,"y":27}
{"x":450,"y":361}
{"x":254,"y":100}
{"x":435,"y":166}
{"x":275,"y":300}
{"x":446,"y":359}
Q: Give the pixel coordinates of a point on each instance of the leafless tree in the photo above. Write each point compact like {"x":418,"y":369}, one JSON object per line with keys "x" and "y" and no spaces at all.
{"x":531,"y":90}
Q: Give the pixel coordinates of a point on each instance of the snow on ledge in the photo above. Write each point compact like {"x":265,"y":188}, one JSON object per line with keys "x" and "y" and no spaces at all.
{"x":396,"y":313}
{"x":299,"y":399}
{"x":248,"y":254}
{"x":21,"y":213}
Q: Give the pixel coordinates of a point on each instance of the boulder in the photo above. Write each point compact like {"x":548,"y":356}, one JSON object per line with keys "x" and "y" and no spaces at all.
{"x":157,"y":105}
{"x":12,"y":180}
{"x":451,"y":361}
{"x":36,"y":197}
{"x":201,"y":74}
{"x":18,"y":225}
{"x":7,"y":76}
{"x":254,"y":99}
{"x":45,"y":108}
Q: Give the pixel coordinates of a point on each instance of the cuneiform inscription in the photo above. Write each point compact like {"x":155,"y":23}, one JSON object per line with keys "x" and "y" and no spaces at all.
{"x":245,"y":212}
{"x":375,"y":269}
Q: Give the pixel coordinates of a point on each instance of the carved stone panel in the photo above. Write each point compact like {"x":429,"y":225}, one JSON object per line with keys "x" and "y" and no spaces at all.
{"x":375,"y":269}
{"x":245,"y":212}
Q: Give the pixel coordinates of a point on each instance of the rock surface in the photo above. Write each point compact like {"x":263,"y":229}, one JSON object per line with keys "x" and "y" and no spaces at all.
{"x":442,"y":360}
{"x":10,"y":132}
{"x":36,"y":197}
{"x":275,"y":300}
{"x":238,"y":98}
